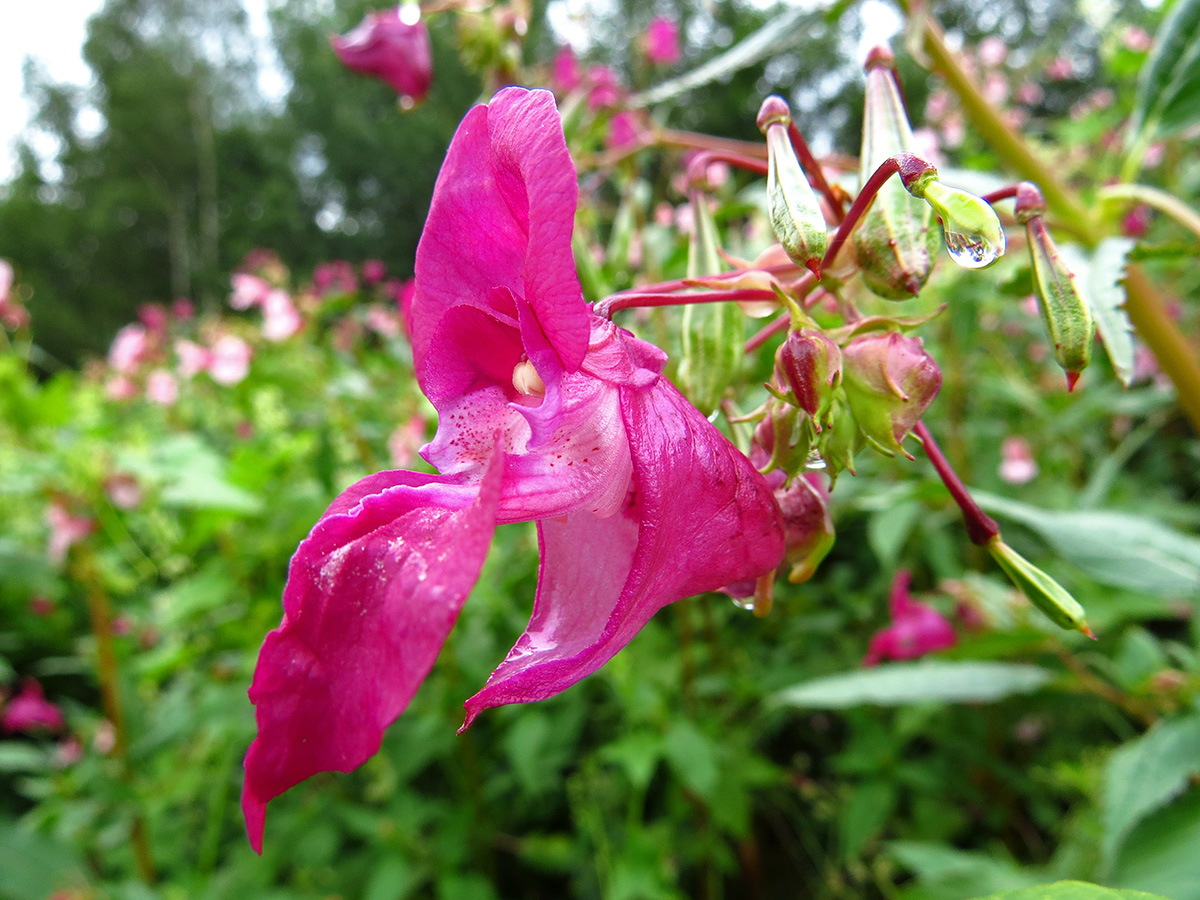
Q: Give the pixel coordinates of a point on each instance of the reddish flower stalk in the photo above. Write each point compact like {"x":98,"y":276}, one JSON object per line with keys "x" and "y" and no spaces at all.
{"x":816,"y":175}
{"x":702,"y":160}
{"x":779,"y":326}
{"x":981,"y":527}
{"x":605,"y":308}
{"x":909,"y":165}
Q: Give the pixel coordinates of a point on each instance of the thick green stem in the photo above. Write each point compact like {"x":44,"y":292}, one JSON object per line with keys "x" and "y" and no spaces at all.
{"x":1145,"y":307}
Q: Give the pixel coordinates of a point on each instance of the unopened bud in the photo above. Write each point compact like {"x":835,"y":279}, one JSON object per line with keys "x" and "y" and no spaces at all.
{"x":890,"y":381}
{"x":1039,"y":588}
{"x":974,"y":235}
{"x":807,"y":526}
{"x":896,"y":243}
{"x":1065,"y":314}
{"x":811,"y":365}
{"x":795,"y":213}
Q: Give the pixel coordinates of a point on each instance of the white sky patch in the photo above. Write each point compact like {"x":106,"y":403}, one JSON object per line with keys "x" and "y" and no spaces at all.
{"x":52,"y":32}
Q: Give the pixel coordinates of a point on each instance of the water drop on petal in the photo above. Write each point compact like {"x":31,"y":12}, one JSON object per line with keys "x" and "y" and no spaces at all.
{"x":972,"y":251}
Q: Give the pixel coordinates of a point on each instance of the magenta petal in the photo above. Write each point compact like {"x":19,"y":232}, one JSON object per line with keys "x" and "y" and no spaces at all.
{"x":391,"y":50}
{"x":501,"y":217}
{"x":371,"y":594}
{"x":702,"y":517}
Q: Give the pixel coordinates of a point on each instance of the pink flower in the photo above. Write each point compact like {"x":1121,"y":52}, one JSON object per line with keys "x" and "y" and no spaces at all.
{"x":123,"y":490}
{"x":916,"y":629}
{"x":121,"y":387}
{"x":546,"y":413}
{"x":335,"y":277}
{"x":992,"y":51}
{"x":373,"y":272}
{"x":1137,"y":39}
{"x":66,"y":530}
{"x":384,"y":322}
{"x":230,"y":361}
{"x":404,"y":442}
{"x":623,"y":131}
{"x":12,"y":314}
{"x":662,"y":41}
{"x":31,"y":711}
{"x":248,"y":290}
{"x":162,"y":388}
{"x":153,"y":316}
{"x":193,"y":359}
{"x":392,"y":46}
{"x":183,"y":309}
{"x":565,"y":74}
{"x":281,"y":319}
{"x":6,"y":280}
{"x":1060,"y":69}
{"x":128,"y":349}
{"x":1017,"y":465}
{"x":604,"y":88}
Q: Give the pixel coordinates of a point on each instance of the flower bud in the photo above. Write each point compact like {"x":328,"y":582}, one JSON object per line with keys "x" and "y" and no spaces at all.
{"x":811,"y":365}
{"x":795,"y":213}
{"x":1065,"y":314}
{"x":392,"y":45}
{"x":896,"y":243}
{"x":807,"y":526}
{"x":890,"y":381}
{"x":1039,"y":588}
{"x":974,"y":235}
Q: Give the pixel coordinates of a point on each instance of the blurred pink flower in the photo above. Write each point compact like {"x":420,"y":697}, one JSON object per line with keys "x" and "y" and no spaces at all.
{"x":1029,"y":93}
{"x":992,"y":51}
{"x":384,"y":322}
{"x":12,"y":314}
{"x":565,"y":73}
{"x":916,"y":629}
{"x":1154,"y":154}
{"x":41,"y":605}
{"x":1060,"y":69}
{"x":31,"y":711}
{"x":1137,"y":221}
{"x":162,"y":388}
{"x":193,"y":359}
{"x":128,"y":349}
{"x":123,"y":490}
{"x":183,"y":309}
{"x":402,"y":293}
{"x":995,"y":89}
{"x":604,"y":88}
{"x":68,"y":752}
{"x":153,"y":316}
{"x":335,"y":277}
{"x":405,"y":440}
{"x":248,"y":290}
{"x":121,"y":387}
{"x":1137,"y":39}
{"x":230,"y":361}
{"x":6,"y":279}
{"x":66,"y":530}
{"x":393,"y":46}
{"x":623,"y":131}
{"x":662,"y":41}
{"x":928,"y":147}
{"x":373,"y":272}
{"x":1017,"y":465}
{"x":281,"y":319}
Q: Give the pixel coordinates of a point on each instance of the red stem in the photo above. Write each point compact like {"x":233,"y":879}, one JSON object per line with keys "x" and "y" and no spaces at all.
{"x":776,"y":327}
{"x":1004,"y":193}
{"x":699,"y":165}
{"x":629,"y":300}
{"x":981,"y":527}
{"x":813,"y":170}
{"x":860,"y":205}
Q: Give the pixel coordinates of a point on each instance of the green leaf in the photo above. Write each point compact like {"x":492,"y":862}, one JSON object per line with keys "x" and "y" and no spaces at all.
{"x":193,"y":476}
{"x":19,"y":756}
{"x":1160,"y":854}
{"x":920,"y":682}
{"x":1071,"y":890}
{"x":1098,"y":276}
{"x":1114,"y":548}
{"x":865,"y":815}
{"x":1168,"y":96}
{"x":960,"y":873}
{"x":34,"y":866}
{"x":1146,"y":774}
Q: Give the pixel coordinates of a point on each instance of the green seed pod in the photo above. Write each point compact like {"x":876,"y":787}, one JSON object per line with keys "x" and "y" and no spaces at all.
{"x":795,"y":213}
{"x":713,"y":333}
{"x":896,"y":242}
{"x":1065,"y":314}
{"x":1039,"y":588}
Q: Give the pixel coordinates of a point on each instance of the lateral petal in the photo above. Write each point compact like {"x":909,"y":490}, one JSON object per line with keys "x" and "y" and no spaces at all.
{"x":371,"y":594}
{"x":501,"y":217}
{"x":701,"y":517}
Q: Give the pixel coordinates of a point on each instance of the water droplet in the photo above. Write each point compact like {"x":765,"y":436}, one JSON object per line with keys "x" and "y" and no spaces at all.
{"x":743,"y":602}
{"x":972,"y":251}
{"x":406,"y":103}
{"x":814,"y":460}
